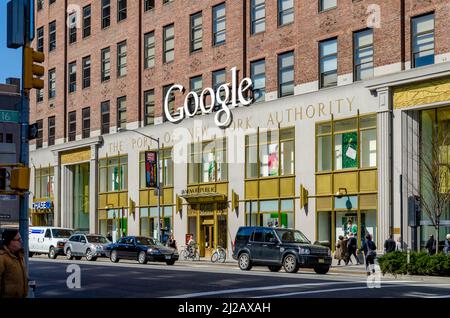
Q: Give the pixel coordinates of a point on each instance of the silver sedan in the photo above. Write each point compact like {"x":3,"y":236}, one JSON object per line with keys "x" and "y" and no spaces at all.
{"x":90,"y":246}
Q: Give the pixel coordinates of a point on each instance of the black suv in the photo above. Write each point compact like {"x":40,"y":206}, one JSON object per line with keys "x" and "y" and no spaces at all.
{"x":278,"y":247}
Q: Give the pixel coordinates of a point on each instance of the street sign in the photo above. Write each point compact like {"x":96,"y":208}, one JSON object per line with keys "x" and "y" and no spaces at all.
{"x":16,"y":24}
{"x":9,"y":116}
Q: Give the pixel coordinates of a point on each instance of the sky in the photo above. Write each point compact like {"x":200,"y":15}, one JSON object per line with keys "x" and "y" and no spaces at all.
{"x":10,"y":59}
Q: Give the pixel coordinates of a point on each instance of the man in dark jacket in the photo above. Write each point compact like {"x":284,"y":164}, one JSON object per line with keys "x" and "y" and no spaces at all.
{"x":431,"y":245}
{"x":369,"y":249}
{"x":389,"y":244}
{"x":13,"y":273}
{"x":352,"y":246}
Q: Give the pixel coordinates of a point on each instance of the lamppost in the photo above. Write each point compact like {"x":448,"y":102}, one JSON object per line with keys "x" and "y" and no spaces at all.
{"x":158,"y":184}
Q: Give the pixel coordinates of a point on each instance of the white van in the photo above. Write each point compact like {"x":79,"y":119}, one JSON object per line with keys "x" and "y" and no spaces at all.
{"x":48,"y":240}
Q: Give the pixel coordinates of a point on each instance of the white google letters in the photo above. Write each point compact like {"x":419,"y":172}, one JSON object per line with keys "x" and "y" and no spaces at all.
{"x":223,"y":96}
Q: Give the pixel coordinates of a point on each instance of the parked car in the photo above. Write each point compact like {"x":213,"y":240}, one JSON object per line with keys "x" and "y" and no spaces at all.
{"x":277,"y":248}
{"x":90,"y":246}
{"x":48,"y":240}
{"x":142,"y":249}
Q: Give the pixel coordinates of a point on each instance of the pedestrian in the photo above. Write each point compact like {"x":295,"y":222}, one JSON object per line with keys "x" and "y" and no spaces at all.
{"x":431,"y":245}
{"x":339,"y":254}
{"x":171,"y":242}
{"x":389,"y":244}
{"x":369,"y":250}
{"x":447,"y":244}
{"x":13,"y":274}
{"x":351,"y":249}
{"x":352,"y":228}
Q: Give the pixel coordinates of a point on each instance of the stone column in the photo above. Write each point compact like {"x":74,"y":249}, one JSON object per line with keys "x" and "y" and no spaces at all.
{"x":384,"y":159}
{"x":93,"y":186}
{"x":57,"y":190}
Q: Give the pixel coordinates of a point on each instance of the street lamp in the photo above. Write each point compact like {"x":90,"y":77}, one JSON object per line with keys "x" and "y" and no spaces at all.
{"x":158,"y":184}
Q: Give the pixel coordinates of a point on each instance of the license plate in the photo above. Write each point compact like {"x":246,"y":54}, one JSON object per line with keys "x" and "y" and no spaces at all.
{"x":168,"y":257}
{"x":321,"y":260}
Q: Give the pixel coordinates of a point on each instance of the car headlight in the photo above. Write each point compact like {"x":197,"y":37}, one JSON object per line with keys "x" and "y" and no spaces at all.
{"x":304,"y":251}
{"x":153,"y":251}
{"x":98,"y":248}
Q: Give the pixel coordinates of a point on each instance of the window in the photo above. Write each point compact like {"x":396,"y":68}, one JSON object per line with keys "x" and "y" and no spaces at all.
{"x":274,"y":153}
{"x":207,"y":162}
{"x":149,"y":5}
{"x":105,"y":117}
{"x":219,"y":24}
{"x":195,"y":85}
{"x":121,"y":10}
{"x":52,"y":36}
{"x":196,"y":32}
{"x":86,"y":113}
{"x":40,"y":130}
{"x":40,"y":39}
{"x":286,"y":74}
{"x":343,"y":154}
{"x":44,"y":182}
{"x":219,"y":78}
{"x":122,"y":112}
{"x":39,"y":94}
{"x":72,"y":77}
{"x":106,"y":13}
{"x":258,"y":75}
{"x":122,"y":58}
{"x":165,"y":166}
{"x":423,"y":40}
{"x":51,"y":130}
{"x":40,"y":4}
{"x":86,"y":21}
{"x":73,"y":27}
{"x":86,"y":71}
{"x":72,"y":125}
{"x":170,"y":101}
{"x":106,"y":64}
{"x":327,"y":4}
{"x":149,"y":52}
{"x":52,"y":83}
{"x":9,"y":138}
{"x":328,"y":63}
{"x":149,"y":107}
{"x":258,"y":16}
{"x":113,"y":174}
{"x":169,"y":43}
{"x":285,"y":12}
{"x":363,"y":55}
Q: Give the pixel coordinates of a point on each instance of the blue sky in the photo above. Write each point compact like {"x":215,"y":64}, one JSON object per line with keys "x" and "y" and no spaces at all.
{"x":10,"y":59}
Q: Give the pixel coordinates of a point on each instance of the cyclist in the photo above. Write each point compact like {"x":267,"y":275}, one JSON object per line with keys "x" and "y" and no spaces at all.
{"x":191,"y":246}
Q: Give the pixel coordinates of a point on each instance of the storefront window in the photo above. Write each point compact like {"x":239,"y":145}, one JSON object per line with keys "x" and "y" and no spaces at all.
{"x":276,"y":154}
{"x":44,"y":183}
{"x":80,"y":196}
{"x":276,"y":213}
{"x":347,"y":141}
{"x":149,"y":222}
{"x":113,"y":174}
{"x":165,"y":168}
{"x":324,"y":227}
{"x":208,"y":162}
{"x":114,"y":224}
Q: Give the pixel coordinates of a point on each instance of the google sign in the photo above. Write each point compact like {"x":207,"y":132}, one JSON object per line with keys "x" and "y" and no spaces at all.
{"x":224,"y":96}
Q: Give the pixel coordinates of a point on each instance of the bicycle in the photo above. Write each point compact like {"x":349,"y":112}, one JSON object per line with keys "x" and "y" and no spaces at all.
{"x":219,"y":255}
{"x":190,"y":253}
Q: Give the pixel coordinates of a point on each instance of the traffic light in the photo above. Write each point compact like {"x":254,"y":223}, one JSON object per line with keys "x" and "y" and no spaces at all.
{"x":234,"y":200}
{"x":178,"y":204}
{"x":303,"y":196}
{"x":20,"y":179}
{"x":31,"y":69}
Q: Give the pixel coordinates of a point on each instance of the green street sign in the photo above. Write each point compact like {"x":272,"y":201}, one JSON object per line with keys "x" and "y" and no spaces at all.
{"x":9,"y":116}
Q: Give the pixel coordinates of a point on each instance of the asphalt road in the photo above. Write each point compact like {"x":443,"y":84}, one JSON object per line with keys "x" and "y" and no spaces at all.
{"x":127,"y":279}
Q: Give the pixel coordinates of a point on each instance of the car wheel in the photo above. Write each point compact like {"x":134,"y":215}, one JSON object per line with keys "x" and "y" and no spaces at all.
{"x":171,"y":262}
{"x":52,"y":253}
{"x":142,"y":258}
{"x":244,"y":262}
{"x":114,"y":257}
{"x":69,"y":255}
{"x":90,"y":256}
{"x":274,"y":268}
{"x":321,"y":269}
{"x":290,"y":264}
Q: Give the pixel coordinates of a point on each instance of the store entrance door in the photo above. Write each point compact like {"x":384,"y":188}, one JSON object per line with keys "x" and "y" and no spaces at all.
{"x":207,"y":237}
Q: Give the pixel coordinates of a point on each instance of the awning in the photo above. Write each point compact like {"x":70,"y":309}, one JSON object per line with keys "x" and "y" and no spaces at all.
{"x":204,"y":197}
